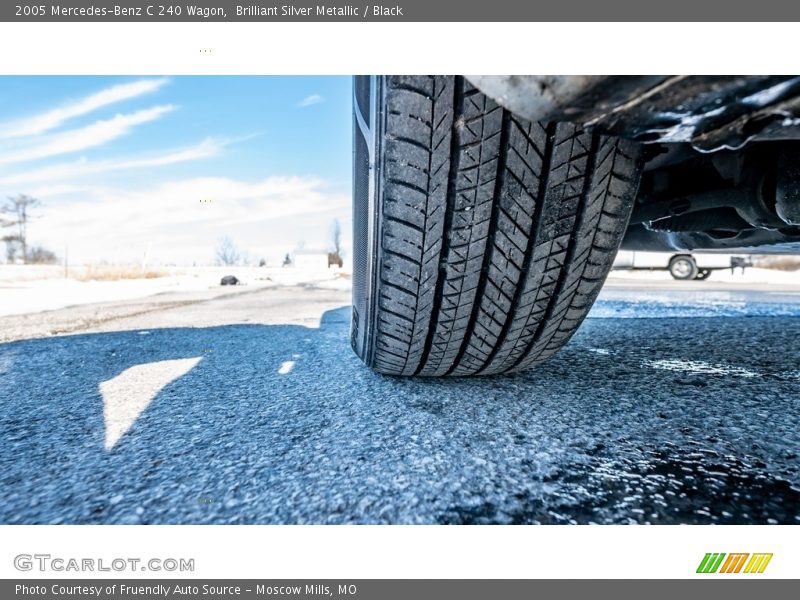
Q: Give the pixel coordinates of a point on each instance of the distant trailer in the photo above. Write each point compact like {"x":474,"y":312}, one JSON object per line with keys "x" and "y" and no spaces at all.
{"x":682,"y":266}
{"x":316,"y":259}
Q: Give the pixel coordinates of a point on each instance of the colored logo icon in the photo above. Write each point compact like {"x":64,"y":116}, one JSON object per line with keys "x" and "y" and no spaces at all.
{"x":741,"y":562}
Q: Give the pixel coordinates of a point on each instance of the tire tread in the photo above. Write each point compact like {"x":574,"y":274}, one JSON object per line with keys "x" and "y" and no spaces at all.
{"x":496,"y":233}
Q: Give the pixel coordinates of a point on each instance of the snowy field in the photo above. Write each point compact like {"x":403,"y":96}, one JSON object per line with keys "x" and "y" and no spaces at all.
{"x":32,"y":289}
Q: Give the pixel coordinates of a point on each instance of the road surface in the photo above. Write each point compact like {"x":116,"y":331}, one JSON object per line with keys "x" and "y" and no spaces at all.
{"x":675,"y":403}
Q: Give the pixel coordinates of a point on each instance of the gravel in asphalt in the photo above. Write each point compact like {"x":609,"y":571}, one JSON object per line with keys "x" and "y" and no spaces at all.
{"x":665,"y":409}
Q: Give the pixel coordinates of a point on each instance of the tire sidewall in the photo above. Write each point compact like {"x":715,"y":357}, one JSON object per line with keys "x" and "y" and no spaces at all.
{"x":366,"y":210}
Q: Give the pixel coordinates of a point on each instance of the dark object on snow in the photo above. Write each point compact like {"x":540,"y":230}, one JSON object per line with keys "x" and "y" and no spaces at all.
{"x":335,"y":259}
{"x":229,"y":280}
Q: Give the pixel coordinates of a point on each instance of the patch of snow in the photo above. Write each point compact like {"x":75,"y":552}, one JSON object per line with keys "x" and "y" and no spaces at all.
{"x":751,"y":275}
{"x":286,"y":367}
{"x":602,"y":351}
{"x":699,"y":367}
{"x":770,"y":95}
{"x":128,"y":394}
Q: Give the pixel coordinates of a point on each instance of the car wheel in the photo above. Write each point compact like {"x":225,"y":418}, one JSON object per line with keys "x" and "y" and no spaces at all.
{"x":480,"y":239}
{"x":683,"y":267}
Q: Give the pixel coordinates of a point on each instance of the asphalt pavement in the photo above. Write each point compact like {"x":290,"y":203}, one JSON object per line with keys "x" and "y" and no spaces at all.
{"x":672,"y":404}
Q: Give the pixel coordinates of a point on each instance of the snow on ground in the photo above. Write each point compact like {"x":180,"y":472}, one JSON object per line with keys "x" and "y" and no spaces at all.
{"x":31,"y":289}
{"x":646,"y":294}
{"x":750,"y":275}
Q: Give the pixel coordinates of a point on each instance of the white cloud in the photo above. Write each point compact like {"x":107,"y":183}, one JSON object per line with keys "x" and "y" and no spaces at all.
{"x":96,"y":134}
{"x":54,"y":118}
{"x":56,"y":189}
{"x":183,"y":220}
{"x":208,"y":148}
{"x":311,"y":100}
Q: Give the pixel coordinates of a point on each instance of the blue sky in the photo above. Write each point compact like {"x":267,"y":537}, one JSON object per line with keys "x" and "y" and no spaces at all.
{"x":121,"y":164}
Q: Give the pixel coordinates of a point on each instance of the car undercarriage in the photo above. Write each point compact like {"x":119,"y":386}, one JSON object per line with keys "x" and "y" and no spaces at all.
{"x":721,"y":154}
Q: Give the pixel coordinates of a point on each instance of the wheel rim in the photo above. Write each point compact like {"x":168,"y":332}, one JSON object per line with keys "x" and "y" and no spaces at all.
{"x":682,"y":268}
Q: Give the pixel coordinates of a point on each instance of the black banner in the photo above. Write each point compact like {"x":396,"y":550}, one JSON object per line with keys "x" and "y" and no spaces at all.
{"x":402,"y":10}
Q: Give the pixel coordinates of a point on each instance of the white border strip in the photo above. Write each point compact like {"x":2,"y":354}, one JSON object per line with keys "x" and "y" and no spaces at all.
{"x":372,"y":552}
{"x":397,"y":48}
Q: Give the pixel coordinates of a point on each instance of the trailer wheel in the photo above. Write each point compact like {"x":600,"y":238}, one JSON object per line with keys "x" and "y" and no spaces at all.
{"x":683,"y":267}
{"x":703,"y":274}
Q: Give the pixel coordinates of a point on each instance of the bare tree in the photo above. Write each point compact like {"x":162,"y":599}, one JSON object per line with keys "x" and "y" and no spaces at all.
{"x":227,"y":254}
{"x":38,"y":255}
{"x":335,"y":257}
{"x":336,"y":234}
{"x":16,"y":213}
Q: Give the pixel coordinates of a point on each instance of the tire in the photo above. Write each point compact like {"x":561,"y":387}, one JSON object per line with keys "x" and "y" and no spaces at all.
{"x":703,"y":274}
{"x":481,"y":239}
{"x":683,"y":267}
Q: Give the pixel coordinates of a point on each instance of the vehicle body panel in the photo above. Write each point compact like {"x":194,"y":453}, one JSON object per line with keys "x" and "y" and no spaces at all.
{"x":627,"y":259}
